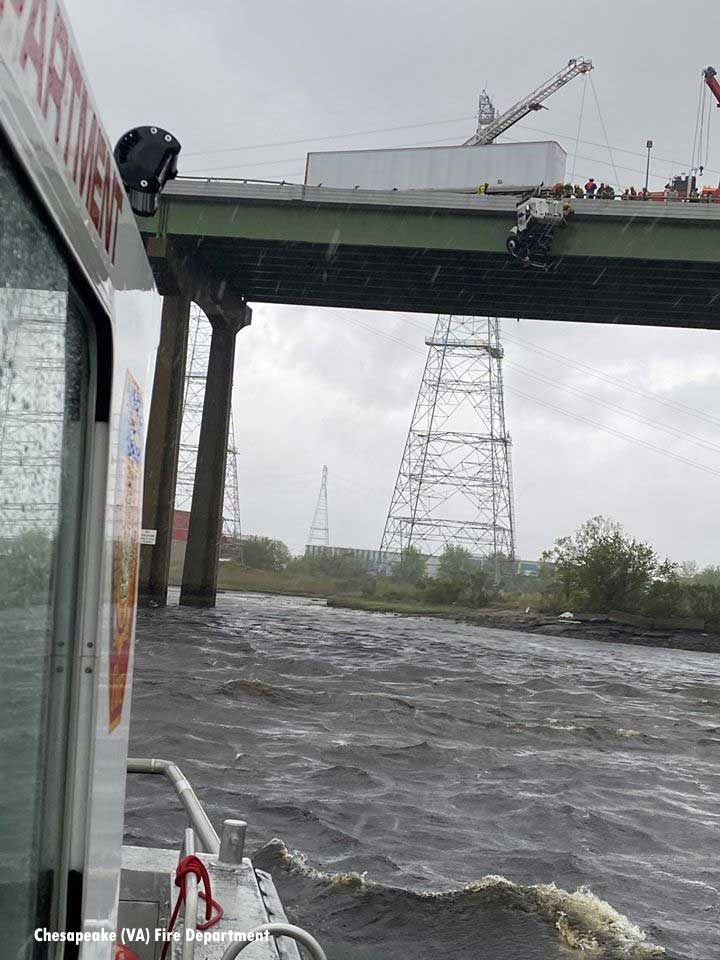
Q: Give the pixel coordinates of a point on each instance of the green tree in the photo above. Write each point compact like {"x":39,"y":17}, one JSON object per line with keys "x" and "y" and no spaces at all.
{"x":441,"y":591}
{"x":342,"y":566}
{"x":454,"y":562}
{"x":469,"y":588}
{"x":264,"y":553}
{"x":411,"y":567}
{"x":708,"y":576}
{"x":599,"y":566}
{"x":460,"y":580}
{"x":477,"y":589}
{"x":501,"y":564}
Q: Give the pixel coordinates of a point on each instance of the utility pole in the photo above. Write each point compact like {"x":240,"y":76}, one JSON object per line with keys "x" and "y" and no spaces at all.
{"x":648,"y":145}
{"x":319,"y":530}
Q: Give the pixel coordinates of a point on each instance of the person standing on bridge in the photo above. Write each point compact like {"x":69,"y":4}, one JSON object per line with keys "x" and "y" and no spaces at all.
{"x":590,"y":188}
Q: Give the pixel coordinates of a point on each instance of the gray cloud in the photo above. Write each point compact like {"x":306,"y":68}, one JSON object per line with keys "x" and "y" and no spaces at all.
{"x":318,"y":387}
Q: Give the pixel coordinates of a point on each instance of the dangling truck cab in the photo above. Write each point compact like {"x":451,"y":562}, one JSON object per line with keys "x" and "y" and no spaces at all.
{"x":79,"y":326}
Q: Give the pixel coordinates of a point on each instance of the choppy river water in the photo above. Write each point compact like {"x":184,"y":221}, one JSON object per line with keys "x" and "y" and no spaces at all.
{"x":443,"y":790}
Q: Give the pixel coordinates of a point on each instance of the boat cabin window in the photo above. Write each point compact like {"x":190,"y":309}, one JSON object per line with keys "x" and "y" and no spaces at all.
{"x":44,"y":388}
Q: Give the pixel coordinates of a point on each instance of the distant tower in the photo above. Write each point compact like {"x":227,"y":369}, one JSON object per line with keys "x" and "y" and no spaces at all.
{"x":319,"y":531}
{"x":198,"y":354}
{"x":454,"y":485}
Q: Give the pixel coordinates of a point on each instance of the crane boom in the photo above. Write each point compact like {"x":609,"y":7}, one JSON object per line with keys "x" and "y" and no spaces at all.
{"x":490,"y":131}
{"x":710,"y":75}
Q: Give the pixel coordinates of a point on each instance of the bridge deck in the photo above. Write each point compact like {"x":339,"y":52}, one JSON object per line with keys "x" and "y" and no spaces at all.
{"x":426,"y":251}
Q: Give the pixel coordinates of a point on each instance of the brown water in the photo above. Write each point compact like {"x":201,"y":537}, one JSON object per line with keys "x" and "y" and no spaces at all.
{"x":410,"y":764}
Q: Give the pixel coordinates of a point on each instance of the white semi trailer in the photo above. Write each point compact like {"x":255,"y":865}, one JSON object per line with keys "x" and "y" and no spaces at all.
{"x":439,"y":168}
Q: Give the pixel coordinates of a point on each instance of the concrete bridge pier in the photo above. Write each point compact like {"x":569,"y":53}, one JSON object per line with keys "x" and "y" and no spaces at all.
{"x":199,"y":581}
{"x":183,"y":279}
{"x":163,"y":444}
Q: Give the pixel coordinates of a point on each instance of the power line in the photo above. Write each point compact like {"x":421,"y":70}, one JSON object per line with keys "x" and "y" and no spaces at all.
{"x":431,"y":123}
{"x":381,"y":333}
{"x":632,"y":388}
{"x":594,"y":371}
{"x":638,"y":418}
{"x":261,"y":163}
{"x":336,"y":136}
{"x":699,"y":126}
{"x":592,"y":423}
{"x":594,"y":143}
{"x":264,"y":163}
{"x":617,"y":433}
{"x":602,"y":124}
{"x":580,"y":119}
{"x":560,"y":358}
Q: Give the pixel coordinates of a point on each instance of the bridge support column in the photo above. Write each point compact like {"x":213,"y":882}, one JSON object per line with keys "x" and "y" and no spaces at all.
{"x":199,"y":582}
{"x":163,"y":442}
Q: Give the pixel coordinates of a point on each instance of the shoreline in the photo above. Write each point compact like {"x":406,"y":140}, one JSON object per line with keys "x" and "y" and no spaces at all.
{"x":595,"y":627}
{"x":600,"y":627}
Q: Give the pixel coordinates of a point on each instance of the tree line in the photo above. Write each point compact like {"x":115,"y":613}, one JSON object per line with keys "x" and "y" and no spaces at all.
{"x":598,"y":569}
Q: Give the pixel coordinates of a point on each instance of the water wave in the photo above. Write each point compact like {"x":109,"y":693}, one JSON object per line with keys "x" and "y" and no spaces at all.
{"x":272,"y":692}
{"x":430,"y":754}
{"x":579,"y":920}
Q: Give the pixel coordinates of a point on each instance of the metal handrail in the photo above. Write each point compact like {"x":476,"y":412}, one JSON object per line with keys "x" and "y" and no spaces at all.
{"x":199,"y":820}
{"x":205,"y":832}
{"x":278,"y":183}
{"x":191,"y":900}
{"x":278,"y":930}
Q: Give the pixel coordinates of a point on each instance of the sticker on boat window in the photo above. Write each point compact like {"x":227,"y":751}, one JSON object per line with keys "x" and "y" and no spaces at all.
{"x":126,"y":540}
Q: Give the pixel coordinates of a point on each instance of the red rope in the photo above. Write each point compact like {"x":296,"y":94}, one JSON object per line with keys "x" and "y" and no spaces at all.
{"x":193,"y":864}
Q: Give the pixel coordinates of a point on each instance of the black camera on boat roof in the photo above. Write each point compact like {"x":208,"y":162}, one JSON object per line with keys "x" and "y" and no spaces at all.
{"x":147,"y":159}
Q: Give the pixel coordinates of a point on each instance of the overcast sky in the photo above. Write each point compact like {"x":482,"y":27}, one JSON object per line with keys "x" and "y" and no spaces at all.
{"x":337,"y":386}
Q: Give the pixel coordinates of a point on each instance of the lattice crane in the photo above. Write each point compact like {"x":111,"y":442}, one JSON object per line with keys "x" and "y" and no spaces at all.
{"x":490,"y":127}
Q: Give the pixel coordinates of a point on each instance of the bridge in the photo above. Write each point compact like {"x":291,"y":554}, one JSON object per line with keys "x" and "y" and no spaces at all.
{"x":226,"y":244}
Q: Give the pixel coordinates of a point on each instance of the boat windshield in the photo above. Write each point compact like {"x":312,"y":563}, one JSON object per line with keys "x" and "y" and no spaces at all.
{"x":44,"y":385}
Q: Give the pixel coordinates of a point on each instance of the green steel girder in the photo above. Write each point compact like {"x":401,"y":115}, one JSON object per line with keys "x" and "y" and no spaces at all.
{"x":645,"y":238}
{"x":621,"y":265}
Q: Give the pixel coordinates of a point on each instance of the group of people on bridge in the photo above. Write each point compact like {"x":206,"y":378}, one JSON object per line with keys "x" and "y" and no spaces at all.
{"x":604,"y":191}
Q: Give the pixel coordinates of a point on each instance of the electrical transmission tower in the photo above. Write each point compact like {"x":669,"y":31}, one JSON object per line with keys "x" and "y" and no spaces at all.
{"x":454,"y":486}
{"x":319,"y":529}
{"x":198,"y":354}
